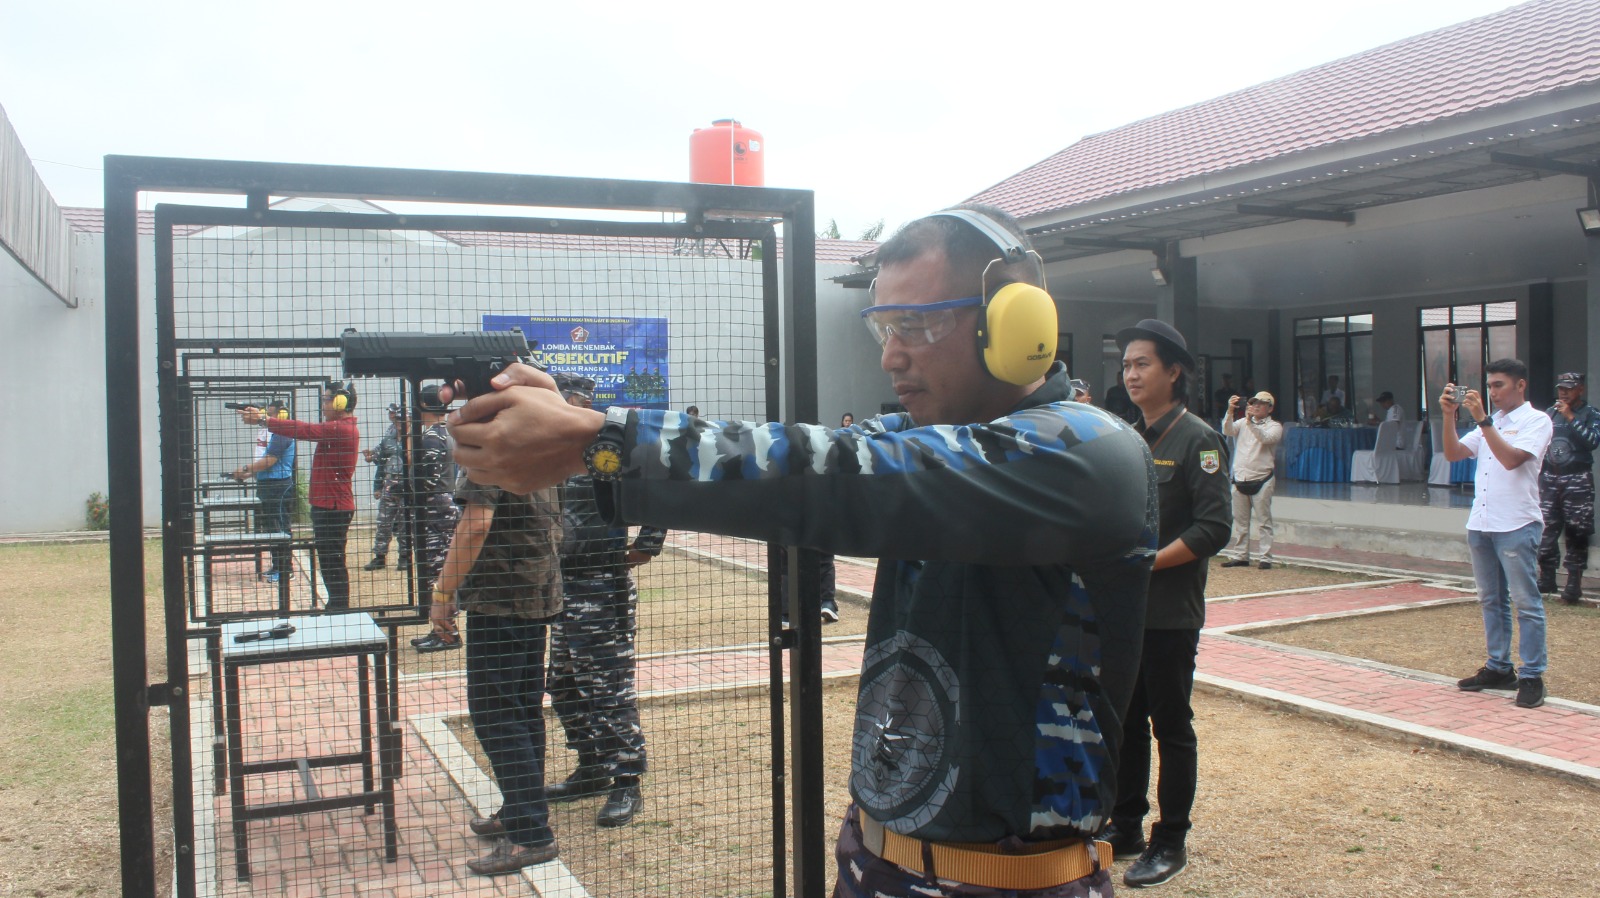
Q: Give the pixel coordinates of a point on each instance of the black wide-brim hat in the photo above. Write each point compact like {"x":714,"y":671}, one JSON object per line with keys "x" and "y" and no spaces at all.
{"x":1161,"y":332}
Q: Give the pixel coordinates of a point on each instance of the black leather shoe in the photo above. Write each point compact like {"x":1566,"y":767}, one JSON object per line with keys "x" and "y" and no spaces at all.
{"x":376,"y":564}
{"x":581,"y":783}
{"x":509,"y":857}
{"x":1237,"y":562}
{"x":1547,"y":583}
{"x":1158,"y":864}
{"x":487,"y":826}
{"x":437,"y":643}
{"x":623,"y":802}
{"x":1124,"y":845}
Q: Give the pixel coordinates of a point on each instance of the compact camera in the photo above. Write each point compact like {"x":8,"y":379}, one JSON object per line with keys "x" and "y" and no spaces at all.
{"x":1460,"y":395}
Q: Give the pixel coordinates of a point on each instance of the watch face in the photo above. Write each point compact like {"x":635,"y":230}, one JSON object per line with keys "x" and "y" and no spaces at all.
{"x":605,"y":461}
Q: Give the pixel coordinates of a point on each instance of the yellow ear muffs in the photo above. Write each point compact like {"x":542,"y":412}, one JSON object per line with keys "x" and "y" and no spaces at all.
{"x":1018,"y":334}
{"x":340,"y":400}
{"x":283,"y":414}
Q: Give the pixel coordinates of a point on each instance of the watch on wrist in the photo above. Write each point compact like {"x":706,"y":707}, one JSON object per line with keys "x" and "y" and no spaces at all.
{"x":603,"y":458}
{"x":1488,"y":421}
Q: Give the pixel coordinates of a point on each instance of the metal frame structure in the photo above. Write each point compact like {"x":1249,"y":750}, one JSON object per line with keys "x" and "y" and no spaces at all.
{"x":710,"y":212}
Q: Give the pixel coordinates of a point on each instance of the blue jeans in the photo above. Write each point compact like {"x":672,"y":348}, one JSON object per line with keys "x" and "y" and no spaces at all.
{"x":1506,"y":566}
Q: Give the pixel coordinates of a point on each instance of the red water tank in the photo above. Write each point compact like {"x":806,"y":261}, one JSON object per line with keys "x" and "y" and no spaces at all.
{"x":726,"y":153}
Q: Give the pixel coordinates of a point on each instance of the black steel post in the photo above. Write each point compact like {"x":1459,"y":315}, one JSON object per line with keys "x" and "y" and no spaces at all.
{"x":805,"y":657}
{"x":772,"y":328}
{"x":129,"y":670}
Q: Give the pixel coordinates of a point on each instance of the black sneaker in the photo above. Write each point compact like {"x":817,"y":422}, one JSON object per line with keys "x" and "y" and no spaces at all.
{"x":1266,"y":565}
{"x":1530,"y":692}
{"x":426,"y":637}
{"x":1547,"y":583}
{"x":376,"y":564}
{"x":1237,"y":562}
{"x":1158,"y":864}
{"x":830,"y":614}
{"x":1124,"y":845}
{"x":1488,"y":679}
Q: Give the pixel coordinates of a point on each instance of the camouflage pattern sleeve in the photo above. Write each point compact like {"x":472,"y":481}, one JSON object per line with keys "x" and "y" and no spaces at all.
{"x":1586,"y":427}
{"x":1053,"y":483}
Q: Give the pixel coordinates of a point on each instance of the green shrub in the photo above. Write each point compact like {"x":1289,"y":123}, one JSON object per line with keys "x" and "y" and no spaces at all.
{"x":97,"y":512}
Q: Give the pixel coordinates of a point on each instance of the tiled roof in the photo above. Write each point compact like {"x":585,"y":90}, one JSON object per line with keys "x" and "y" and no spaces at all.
{"x":93,"y":221}
{"x":1532,"y":49}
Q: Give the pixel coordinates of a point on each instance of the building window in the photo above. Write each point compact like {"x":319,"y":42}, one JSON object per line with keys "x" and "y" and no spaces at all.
{"x":1332,"y":358}
{"x":1458,"y":342}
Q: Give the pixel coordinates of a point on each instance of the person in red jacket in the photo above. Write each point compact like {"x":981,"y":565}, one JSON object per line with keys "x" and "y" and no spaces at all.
{"x":334,"y":462}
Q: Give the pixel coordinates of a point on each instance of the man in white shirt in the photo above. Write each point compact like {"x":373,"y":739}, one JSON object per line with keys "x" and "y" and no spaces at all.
{"x":1333,"y":391}
{"x":1255,"y":438}
{"x":1390,"y":411}
{"x":1505,"y":525}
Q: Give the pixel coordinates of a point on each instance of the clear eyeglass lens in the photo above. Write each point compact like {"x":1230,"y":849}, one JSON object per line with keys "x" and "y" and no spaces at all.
{"x":912,"y":328}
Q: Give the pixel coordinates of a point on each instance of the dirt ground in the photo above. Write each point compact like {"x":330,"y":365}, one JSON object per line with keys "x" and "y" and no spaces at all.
{"x":1289,"y":806}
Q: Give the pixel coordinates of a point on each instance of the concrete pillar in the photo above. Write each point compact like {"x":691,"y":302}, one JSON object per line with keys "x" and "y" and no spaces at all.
{"x":1178,"y":303}
{"x":1540,"y":354}
{"x":1591,"y":346}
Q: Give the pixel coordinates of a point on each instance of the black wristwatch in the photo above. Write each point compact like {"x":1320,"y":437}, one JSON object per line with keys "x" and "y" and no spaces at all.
{"x":1488,"y":421}
{"x":603,"y":458}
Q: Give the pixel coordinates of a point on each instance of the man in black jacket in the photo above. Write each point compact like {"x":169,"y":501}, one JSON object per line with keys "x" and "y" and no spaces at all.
{"x":1014,"y":530}
{"x":1566,"y":487}
{"x":1195,"y":520}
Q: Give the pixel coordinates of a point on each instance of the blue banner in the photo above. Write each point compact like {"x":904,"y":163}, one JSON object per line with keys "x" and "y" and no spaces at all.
{"x":626,"y":357}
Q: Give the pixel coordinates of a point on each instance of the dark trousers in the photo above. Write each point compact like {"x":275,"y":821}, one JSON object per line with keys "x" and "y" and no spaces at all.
{"x":592,"y":673}
{"x":505,"y":697}
{"x":276,"y":498}
{"x":328,"y":531}
{"x":1160,"y":706}
{"x":1567,"y":504}
{"x":827,"y":579}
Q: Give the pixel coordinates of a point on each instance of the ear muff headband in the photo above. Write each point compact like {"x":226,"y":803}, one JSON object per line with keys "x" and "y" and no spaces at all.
{"x":1017,"y":332}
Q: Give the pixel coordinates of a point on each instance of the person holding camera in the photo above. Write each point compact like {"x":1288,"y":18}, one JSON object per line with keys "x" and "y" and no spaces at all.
{"x":1255,"y":438}
{"x":1505,"y":524}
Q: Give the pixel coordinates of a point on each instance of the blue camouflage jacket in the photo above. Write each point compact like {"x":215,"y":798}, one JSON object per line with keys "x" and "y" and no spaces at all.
{"x":1008,"y":609}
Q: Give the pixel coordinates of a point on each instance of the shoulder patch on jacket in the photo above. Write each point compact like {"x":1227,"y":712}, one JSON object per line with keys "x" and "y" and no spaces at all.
{"x":1210,"y":461}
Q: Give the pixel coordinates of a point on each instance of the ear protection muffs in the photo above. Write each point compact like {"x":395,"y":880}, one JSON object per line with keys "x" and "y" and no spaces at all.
{"x":344,"y":398}
{"x":283,"y":414}
{"x":1017,"y":331}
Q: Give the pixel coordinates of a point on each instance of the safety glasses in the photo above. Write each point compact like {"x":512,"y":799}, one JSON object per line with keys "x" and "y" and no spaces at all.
{"x":916,"y":325}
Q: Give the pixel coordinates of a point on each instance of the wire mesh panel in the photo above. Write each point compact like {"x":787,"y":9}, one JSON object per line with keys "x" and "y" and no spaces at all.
{"x":348,"y":736}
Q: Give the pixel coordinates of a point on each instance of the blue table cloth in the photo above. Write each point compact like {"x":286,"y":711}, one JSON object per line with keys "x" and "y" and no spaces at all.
{"x":1464,"y":471}
{"x":1322,"y":454}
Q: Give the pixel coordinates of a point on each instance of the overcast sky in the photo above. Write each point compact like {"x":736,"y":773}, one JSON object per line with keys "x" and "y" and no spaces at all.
{"x":885,"y":109}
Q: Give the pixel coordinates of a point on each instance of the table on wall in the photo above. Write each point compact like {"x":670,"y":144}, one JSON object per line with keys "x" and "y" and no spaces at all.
{"x":1322,"y":454}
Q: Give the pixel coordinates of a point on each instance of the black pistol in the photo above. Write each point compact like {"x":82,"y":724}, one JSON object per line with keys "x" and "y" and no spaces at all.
{"x":469,"y":357}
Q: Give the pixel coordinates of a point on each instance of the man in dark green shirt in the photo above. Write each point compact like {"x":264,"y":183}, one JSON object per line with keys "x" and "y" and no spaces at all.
{"x":1196,"y":516}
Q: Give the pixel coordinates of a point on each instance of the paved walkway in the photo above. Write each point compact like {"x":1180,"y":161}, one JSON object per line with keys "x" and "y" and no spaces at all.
{"x":340,"y":852}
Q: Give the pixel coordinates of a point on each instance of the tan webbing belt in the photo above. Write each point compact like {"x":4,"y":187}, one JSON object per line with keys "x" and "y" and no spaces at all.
{"x":1039,"y":866}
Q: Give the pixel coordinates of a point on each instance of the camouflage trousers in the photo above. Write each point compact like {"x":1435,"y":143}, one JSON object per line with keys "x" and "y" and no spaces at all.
{"x":1567,"y":503}
{"x":592,"y":667}
{"x":438,"y":528}
{"x":392,"y":522}
{"x":863,"y":874}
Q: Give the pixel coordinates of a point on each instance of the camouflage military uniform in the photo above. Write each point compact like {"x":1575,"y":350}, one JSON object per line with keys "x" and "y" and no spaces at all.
{"x":431,"y":500}
{"x":591,"y":646}
{"x":389,"y":490}
{"x":1566,"y":495}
